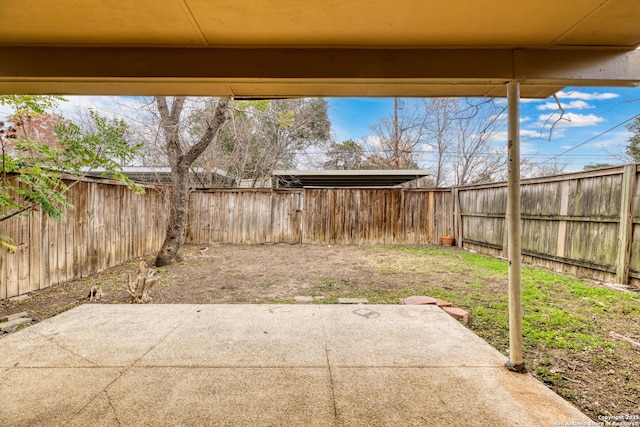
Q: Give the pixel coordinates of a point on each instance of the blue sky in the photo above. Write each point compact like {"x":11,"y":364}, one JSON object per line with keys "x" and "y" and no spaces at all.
{"x":591,"y":111}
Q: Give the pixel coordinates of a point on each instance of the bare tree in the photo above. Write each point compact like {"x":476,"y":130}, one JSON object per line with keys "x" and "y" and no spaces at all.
{"x":181,"y":157}
{"x":476,"y":158}
{"x":441,"y":115}
{"x":399,"y":137}
{"x":456,"y":137}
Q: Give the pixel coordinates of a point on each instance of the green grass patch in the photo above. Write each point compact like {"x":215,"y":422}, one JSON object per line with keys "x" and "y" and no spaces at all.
{"x":481,"y":265}
{"x":559,"y":312}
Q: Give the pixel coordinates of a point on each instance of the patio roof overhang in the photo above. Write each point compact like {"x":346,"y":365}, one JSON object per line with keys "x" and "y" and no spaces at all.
{"x":300,"y":72}
{"x":282,"y":48}
{"x":286,"y":48}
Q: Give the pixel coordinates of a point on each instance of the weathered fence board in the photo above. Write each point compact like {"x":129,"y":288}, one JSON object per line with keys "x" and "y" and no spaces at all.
{"x":571,"y":223}
{"x":320,"y":216}
{"x":103,"y":230}
{"x":230,"y":216}
{"x":376,"y":216}
{"x":286,"y":217}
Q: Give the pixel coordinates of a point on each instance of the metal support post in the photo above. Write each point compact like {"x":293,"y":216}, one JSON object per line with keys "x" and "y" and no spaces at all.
{"x":516,"y":360}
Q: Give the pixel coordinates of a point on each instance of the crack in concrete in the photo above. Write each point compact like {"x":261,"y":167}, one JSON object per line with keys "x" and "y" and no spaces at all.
{"x":326,"y":352}
{"x":160,"y":341}
{"x":120,"y":374}
{"x":104,"y":390}
{"x":115,"y":413}
{"x":51,"y":339}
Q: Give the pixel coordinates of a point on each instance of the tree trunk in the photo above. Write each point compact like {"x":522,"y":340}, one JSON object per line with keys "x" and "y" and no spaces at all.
{"x":180,"y":163}
{"x":170,"y":250}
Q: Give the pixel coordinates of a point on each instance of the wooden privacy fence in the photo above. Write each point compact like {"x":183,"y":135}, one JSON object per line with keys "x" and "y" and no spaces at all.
{"x":376,"y":216}
{"x":244,"y":216}
{"x":586,"y":224}
{"x":109,"y":225}
{"x":320,"y":216}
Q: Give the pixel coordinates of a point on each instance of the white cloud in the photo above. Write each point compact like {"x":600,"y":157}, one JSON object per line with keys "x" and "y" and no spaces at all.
{"x":607,"y":143}
{"x":129,"y":107}
{"x":566,"y":147}
{"x":372,"y":141}
{"x":502,"y":136}
{"x":603,"y":144}
{"x":506,"y":117}
{"x":577,"y":105}
{"x":547,"y":106}
{"x":595,"y":96}
{"x":5,"y":111}
{"x":527,"y":148}
{"x":530,"y":100}
{"x":571,"y":119}
{"x":499,"y":136}
{"x":528,"y":133}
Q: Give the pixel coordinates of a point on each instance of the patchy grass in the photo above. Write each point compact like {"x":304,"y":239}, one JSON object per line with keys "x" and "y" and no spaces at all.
{"x":566,"y":325}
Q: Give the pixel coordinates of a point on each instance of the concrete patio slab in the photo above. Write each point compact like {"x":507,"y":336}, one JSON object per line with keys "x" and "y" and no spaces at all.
{"x":443,"y":396}
{"x":111,"y":336}
{"x":232,"y":335}
{"x":273,"y":365}
{"x":423,"y":336}
{"x":49,"y":396}
{"x":30,"y":349}
{"x":215,"y":396}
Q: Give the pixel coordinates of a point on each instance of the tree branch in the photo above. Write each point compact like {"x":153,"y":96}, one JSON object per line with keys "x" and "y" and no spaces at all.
{"x":18,"y":212}
{"x":169,"y":122}
{"x":219,"y":117}
{"x":176,"y":108}
{"x":562,"y":113}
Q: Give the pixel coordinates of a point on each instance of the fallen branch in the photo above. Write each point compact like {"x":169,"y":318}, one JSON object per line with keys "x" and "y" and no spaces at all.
{"x":139,"y":289}
{"x":634,"y":343}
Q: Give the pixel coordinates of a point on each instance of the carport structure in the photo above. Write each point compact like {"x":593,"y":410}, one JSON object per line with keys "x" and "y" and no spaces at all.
{"x":286,"y":48}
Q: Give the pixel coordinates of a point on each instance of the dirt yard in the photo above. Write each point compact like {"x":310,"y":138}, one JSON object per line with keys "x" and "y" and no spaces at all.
{"x":603,"y":380}
{"x":233,"y":274}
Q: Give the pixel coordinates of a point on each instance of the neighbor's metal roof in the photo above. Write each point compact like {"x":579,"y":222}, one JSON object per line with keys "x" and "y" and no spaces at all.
{"x":317,"y":47}
{"x":346,"y":178}
{"x":149,"y":174}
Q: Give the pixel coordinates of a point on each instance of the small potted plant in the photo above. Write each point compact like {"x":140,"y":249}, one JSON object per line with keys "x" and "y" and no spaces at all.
{"x":447,"y":240}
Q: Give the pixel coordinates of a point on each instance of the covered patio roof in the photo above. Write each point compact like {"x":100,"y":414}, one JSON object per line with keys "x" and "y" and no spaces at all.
{"x":288,"y":48}
{"x":284,"y":48}
{"x":346,"y":178}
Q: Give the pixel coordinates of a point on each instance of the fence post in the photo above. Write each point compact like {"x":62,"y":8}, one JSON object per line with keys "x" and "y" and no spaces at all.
{"x":303,"y":213}
{"x":625,"y":229}
{"x":505,"y":233}
{"x":457,"y":217}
